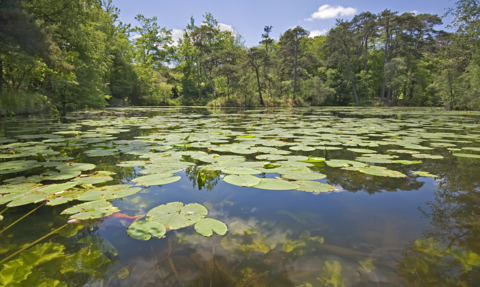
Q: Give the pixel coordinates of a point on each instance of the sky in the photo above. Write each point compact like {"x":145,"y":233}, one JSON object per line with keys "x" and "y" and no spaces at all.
{"x":248,"y":17}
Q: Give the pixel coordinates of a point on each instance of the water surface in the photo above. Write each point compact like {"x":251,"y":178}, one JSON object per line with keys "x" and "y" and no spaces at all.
{"x":366,"y":226}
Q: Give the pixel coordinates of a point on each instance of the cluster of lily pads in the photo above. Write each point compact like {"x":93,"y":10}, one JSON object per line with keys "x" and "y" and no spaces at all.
{"x":243,"y":148}
{"x":173,"y":216}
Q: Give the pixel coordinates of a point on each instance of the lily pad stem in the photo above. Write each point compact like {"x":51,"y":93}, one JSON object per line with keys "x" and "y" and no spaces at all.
{"x":3,"y":211}
{"x":33,"y":243}
{"x":21,"y":217}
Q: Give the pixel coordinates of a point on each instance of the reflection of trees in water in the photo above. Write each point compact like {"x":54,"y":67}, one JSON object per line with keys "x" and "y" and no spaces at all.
{"x":354,"y":181}
{"x":203,"y":179}
{"x":447,"y":254}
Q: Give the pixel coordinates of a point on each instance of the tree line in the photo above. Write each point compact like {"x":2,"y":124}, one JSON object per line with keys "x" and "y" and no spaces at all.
{"x":64,"y":55}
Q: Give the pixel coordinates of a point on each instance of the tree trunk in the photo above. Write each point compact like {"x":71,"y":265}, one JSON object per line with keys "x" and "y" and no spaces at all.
{"x":295,"y":72}
{"x":366,"y":55}
{"x":259,"y":87}
{"x":389,"y":93}
{"x":385,"y":59}
{"x":452,"y":97}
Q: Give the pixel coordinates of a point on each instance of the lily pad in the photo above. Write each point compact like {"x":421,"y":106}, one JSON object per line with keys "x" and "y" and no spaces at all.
{"x":427,"y":156}
{"x":302,"y":148}
{"x":76,"y":167}
{"x":361,"y":150}
{"x":314,"y":186}
{"x":467,"y":155}
{"x":144,"y":230}
{"x":242,"y":180}
{"x":314,"y":160}
{"x":208,"y":226}
{"x":303,"y":175}
{"x":132,"y":163}
{"x":63,"y":175}
{"x":91,"y":210}
{"x":156,"y":179}
{"x":272,"y":157}
{"x":407,"y":162}
{"x":424,"y":174}
{"x":275,"y":184}
{"x":92,"y":179}
{"x":108,"y":192}
{"x":240,"y":170}
{"x":381,"y":171}
{"x":176,"y":215}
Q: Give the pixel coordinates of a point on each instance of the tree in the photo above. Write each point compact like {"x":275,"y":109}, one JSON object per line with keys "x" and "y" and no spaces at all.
{"x":340,"y":41}
{"x":255,"y":59}
{"x":289,"y":43}
{"x":386,"y":21}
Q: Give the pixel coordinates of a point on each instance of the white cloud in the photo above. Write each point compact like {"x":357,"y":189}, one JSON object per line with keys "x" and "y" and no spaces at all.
{"x":177,"y":34}
{"x":316,"y":33}
{"x":414,"y":12}
{"x":226,"y":27}
{"x":326,"y":12}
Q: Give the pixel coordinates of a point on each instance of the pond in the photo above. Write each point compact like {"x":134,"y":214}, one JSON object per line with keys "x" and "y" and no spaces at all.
{"x":265,"y":197}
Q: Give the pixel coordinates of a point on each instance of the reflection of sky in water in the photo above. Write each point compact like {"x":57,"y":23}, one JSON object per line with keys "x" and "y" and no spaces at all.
{"x":355,"y":226}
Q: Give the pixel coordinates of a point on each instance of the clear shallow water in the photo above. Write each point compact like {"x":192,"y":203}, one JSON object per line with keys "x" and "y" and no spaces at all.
{"x":371,"y":231}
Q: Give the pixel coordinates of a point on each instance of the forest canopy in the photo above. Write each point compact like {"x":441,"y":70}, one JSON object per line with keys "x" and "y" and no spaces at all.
{"x":62,"y":55}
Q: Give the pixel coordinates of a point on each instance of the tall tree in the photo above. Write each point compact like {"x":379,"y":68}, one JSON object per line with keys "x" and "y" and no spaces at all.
{"x":290,"y":44}
{"x":386,"y":21}
{"x":255,"y":59}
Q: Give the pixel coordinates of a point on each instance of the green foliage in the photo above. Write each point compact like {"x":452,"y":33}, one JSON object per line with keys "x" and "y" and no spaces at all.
{"x":59,"y":57}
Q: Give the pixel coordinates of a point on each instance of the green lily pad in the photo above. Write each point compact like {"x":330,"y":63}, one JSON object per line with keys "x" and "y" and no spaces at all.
{"x":91,"y":210}
{"x":22,"y":179}
{"x":109,"y":192}
{"x":92,"y":179}
{"x":361,"y":150}
{"x":381,"y":171}
{"x":100,"y":152}
{"x":56,"y":187}
{"x":423,"y":173}
{"x":27,"y":199}
{"x":63,"y":175}
{"x":240,"y":170}
{"x":314,"y":186}
{"x":302,"y":148}
{"x":303,"y":175}
{"x":156,"y":179}
{"x":344,"y":163}
{"x":471,"y":148}
{"x":16,"y":164}
{"x":132,"y":163}
{"x":270,"y":157}
{"x":467,"y":155}
{"x":407,"y":162}
{"x":176,"y":215}
{"x":373,"y":160}
{"x":76,"y":167}
{"x":144,"y":230}
{"x":208,"y":226}
{"x":427,"y":156}
{"x":242,"y":180}
{"x":314,"y":160}
{"x":275,"y":184}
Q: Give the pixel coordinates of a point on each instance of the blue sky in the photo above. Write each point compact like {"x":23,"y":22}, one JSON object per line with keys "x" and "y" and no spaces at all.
{"x":248,"y":17}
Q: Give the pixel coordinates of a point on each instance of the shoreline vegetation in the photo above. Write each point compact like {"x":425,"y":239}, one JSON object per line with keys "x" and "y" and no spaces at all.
{"x":62,"y":56}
